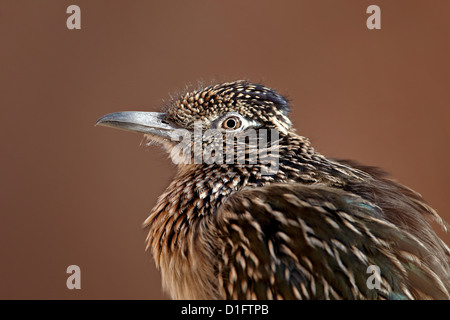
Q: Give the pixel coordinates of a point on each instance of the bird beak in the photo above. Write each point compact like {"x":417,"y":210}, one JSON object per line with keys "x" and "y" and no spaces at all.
{"x":146,"y":122}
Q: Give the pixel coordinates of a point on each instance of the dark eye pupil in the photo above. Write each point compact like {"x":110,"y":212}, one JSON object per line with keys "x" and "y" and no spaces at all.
{"x":231,"y":123}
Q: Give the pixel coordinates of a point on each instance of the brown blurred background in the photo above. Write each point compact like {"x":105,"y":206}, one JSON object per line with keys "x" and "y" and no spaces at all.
{"x":72,"y":193}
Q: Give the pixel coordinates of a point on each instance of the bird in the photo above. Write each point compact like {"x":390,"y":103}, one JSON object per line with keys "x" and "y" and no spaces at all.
{"x":290,"y":224}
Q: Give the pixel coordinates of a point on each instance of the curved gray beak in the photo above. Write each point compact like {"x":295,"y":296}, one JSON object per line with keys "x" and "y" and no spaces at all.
{"x":145,"y":122}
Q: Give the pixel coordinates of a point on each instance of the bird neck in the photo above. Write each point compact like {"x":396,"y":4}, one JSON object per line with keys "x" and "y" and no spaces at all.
{"x":178,"y":226}
{"x":199,"y":189}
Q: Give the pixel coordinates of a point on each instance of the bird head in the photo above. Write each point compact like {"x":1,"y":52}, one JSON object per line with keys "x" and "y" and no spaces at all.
{"x":201,"y":121}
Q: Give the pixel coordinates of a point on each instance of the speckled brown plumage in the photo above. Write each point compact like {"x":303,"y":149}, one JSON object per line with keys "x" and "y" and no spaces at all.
{"x":307,"y":231}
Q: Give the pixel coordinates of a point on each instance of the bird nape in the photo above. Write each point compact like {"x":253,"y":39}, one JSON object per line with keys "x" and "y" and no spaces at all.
{"x":255,"y":212}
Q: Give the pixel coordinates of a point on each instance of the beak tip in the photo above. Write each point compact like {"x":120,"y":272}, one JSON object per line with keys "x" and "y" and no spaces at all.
{"x":101,"y":121}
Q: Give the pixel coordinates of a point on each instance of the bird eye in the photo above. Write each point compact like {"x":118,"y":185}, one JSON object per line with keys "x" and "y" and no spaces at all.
{"x":232,"y":123}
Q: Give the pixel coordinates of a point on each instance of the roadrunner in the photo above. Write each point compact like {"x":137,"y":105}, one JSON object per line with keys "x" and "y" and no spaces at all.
{"x":310,"y":228}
